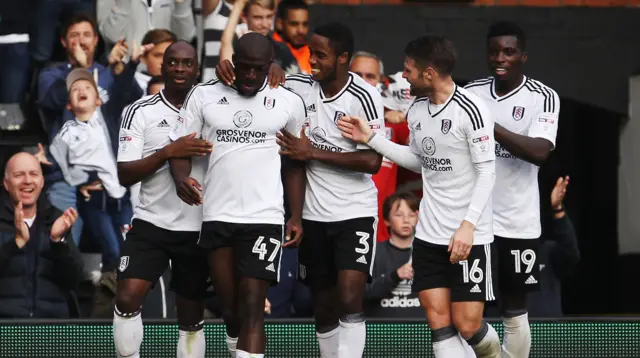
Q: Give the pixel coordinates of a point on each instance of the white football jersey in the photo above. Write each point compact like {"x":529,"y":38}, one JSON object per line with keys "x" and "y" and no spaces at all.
{"x":336,"y":194}
{"x":449,"y":139}
{"x":531,"y":110}
{"x":145,"y":129}
{"x":242,"y":183}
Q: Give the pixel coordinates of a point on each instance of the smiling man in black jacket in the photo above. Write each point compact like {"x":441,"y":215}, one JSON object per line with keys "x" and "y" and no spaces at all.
{"x":39,"y":263}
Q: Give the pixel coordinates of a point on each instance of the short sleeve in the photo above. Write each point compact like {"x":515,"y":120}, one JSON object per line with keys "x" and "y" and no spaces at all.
{"x":297,"y":116}
{"x":478,"y":128}
{"x":371,"y":109}
{"x":544,"y":123}
{"x":299,"y":83}
{"x":131,"y":136}
{"x":191,"y":117}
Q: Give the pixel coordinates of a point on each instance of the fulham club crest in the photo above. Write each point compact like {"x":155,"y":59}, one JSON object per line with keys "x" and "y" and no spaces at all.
{"x":518,"y":113}
{"x":269,"y":102}
{"x":445,"y":126}
{"x":338,"y":116}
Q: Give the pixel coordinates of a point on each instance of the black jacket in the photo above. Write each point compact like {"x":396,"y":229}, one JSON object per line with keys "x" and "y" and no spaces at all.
{"x":35,"y":280}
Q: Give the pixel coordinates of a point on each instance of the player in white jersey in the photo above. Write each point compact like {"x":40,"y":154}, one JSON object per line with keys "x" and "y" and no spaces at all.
{"x":163,"y":227}
{"x":526,"y":114}
{"x":451,"y":144}
{"x":341,"y":206}
{"x":242,"y":230}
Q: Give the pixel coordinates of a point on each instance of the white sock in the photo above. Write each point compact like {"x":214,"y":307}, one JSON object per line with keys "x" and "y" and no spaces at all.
{"x":485,"y":343}
{"x":352,"y":336}
{"x":243,"y":354}
{"x":127,"y":334}
{"x":191,"y":344}
{"x":467,"y":348}
{"x":449,"y":348}
{"x":517,"y":337}
{"x":329,"y":342}
{"x":231,"y":346}
{"x":446,"y":343}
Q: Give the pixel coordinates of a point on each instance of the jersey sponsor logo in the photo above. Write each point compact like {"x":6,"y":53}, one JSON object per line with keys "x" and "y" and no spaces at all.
{"x":163,"y":124}
{"x":374,"y":126}
{"x":240,"y":136}
{"x":418,"y":127}
{"x":396,"y":302}
{"x":126,"y":138}
{"x":223,"y":101}
{"x":437,"y":164}
{"x":446,"y":126}
{"x":311,"y":108}
{"x":502,"y":152}
{"x":242,"y":119}
{"x":319,"y":137}
{"x":269,"y":102}
{"x":429,"y":146}
{"x":337,"y":116}
{"x":547,"y":118}
{"x":518,"y":112}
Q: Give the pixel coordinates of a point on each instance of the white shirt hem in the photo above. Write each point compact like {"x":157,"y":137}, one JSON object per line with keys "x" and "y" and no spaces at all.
{"x":335,"y":218}
{"x":244,"y":220}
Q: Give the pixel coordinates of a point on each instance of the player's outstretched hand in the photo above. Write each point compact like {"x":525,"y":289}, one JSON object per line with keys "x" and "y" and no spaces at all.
{"x":558,"y":192}
{"x":299,"y":149}
{"x":293,"y":235}
{"x":188,"y":146}
{"x":355,"y":128}
{"x":275,"y":76}
{"x":189,"y":190}
{"x":224,"y":71}
{"x":461,"y":242}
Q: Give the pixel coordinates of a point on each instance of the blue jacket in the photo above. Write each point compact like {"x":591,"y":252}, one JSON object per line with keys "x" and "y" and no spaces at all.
{"x":35,"y":280}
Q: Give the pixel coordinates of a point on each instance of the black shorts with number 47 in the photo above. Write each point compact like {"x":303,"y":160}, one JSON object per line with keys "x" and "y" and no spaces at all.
{"x":257,"y":248}
{"x":330,"y":247}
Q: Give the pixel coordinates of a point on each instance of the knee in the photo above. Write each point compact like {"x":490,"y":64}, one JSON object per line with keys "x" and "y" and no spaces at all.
{"x":252,"y":308}
{"x":128,"y":301}
{"x":350,"y":302}
{"x":467,"y":327}
{"x":326,"y":316}
{"x":513,"y":302}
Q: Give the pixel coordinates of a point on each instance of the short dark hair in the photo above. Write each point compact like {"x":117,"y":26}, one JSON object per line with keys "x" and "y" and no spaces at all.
{"x":340,"y":37}
{"x":508,"y":28}
{"x":155,"y":80}
{"x":285,"y":5}
{"x":435,"y":51}
{"x":410,"y":198}
{"x":76,"y":19}
{"x":158,"y":36}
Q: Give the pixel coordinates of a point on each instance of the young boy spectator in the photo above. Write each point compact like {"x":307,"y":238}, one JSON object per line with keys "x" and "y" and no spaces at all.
{"x":389,"y":294}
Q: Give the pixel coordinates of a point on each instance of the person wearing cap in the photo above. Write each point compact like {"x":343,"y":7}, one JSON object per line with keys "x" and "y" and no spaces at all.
{"x":85,"y":149}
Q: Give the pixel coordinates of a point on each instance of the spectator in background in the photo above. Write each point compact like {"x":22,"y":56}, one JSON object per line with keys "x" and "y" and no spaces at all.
{"x":157,"y":41}
{"x":389,"y":293}
{"x":85,"y":149}
{"x":132,"y":19}
{"x":292,"y":28}
{"x":14,"y":49}
{"x":257,"y":15}
{"x":155,"y":85}
{"x":558,"y":255}
{"x":216,"y":15}
{"x":45,"y":17}
{"x":39,"y":263}
{"x":368,"y":66}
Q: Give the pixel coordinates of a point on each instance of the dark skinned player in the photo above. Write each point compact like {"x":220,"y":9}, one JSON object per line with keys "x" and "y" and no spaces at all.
{"x":526,"y":122}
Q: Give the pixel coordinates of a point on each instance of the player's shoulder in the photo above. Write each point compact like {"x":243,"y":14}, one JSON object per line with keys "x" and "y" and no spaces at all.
{"x":471,"y":106}
{"x":299,"y":78}
{"x":364,"y":97}
{"x":538,"y":88}
{"x":467,"y":95}
{"x":287,"y":94}
{"x":139,"y":108}
{"x":362,"y":85}
{"x":415,"y":106}
{"x":205,"y":88}
{"x":482,"y":85}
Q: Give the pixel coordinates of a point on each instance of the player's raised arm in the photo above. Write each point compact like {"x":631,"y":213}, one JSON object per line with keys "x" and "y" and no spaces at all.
{"x":358,"y":130}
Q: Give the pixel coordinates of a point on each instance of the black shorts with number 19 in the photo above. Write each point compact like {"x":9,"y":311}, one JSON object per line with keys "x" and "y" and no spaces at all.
{"x":330,"y":247}
{"x":257,"y":248}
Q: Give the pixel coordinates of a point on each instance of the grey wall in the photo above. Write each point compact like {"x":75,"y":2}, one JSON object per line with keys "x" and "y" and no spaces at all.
{"x":586,"y":54}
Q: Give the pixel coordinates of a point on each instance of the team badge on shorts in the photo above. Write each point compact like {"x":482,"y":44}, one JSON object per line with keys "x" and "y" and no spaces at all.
{"x":446,"y":126}
{"x":518,"y":113}
{"x":124,"y":263}
{"x":338,"y":116}
{"x":269,"y":102}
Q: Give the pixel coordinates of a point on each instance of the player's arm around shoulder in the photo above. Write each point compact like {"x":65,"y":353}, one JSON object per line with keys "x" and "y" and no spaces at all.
{"x":478,"y":125}
{"x":300,"y":83}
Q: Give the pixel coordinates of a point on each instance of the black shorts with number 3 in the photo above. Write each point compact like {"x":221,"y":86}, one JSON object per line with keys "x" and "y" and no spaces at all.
{"x":330,"y":247}
{"x":469,"y":280}
{"x":257,"y":248}
{"x":518,"y":269}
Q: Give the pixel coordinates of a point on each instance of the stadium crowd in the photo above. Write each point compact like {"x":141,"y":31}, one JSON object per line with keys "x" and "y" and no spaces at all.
{"x":85,"y":65}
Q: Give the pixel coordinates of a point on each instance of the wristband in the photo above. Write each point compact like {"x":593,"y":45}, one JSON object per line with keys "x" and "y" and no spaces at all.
{"x":559,"y":210}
